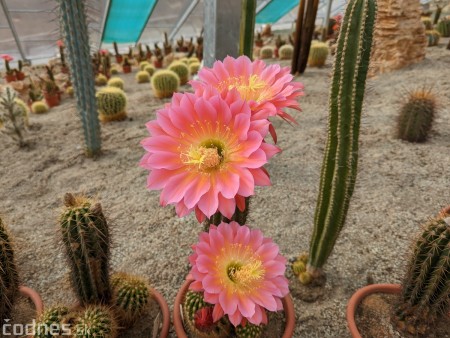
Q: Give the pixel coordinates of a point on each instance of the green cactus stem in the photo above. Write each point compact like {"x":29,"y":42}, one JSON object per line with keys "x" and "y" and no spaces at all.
{"x":9,"y":278}
{"x":112,"y":102}
{"x":85,"y":237}
{"x":54,"y":318}
{"x":95,"y":322}
{"x":249,"y":331}
{"x":247,"y":29}
{"x":341,"y":155}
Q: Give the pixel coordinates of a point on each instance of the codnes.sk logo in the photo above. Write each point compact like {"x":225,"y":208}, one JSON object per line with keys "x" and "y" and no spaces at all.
{"x":9,"y":329}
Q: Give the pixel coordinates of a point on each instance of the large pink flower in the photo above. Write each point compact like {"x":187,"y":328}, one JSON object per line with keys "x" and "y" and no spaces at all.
{"x":206,"y":154}
{"x":268,"y":89}
{"x":240,"y":271}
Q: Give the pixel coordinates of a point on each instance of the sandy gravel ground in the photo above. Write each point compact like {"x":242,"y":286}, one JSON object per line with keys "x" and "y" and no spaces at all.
{"x":399,"y":186}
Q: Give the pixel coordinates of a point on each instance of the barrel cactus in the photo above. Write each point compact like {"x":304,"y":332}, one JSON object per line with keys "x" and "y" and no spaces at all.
{"x":193,"y":59}
{"x":115,"y":70}
{"x":130,"y":297}
{"x":249,"y":331}
{"x":266,"y":52}
{"x":416,"y":116}
{"x":426,"y":288}
{"x":54,"y":318}
{"x":318,"y":54}
{"x":150,"y":70}
{"x":286,"y":52}
{"x":184,"y":60}
{"x":165,"y":83}
{"x":143,"y":64}
{"x":70,"y":91}
{"x":116,"y":82}
{"x":111,"y":102}
{"x":142,"y":77}
{"x":85,"y":237}
{"x":101,"y":80}
{"x":427,"y":23}
{"x":39,"y":107}
{"x":433,"y":37}
{"x":9,"y":278}
{"x":182,"y":71}
{"x":95,"y":322}
{"x":194,"y":67}
{"x":443,"y":27}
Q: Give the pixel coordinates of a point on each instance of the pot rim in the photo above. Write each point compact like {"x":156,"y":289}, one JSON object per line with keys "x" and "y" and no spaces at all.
{"x":164,"y":310}
{"x":288,"y":307}
{"x":362,"y":293}
{"x":34,"y":297}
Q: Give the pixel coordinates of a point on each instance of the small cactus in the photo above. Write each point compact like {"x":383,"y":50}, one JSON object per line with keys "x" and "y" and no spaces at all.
{"x":286,"y":52}
{"x":9,"y":279}
{"x":130,"y":297}
{"x":143,"y":64}
{"x":13,"y":116}
{"x":115,"y":70}
{"x":427,"y":23}
{"x":95,"y":322}
{"x":39,"y":107}
{"x":150,"y":70}
{"x":426,"y":288}
{"x":318,"y":54}
{"x":85,"y":237}
{"x":101,"y":80}
{"x":416,"y":116}
{"x":165,"y":83}
{"x":184,"y":60}
{"x":52,"y":320}
{"x":194,"y":67}
{"x":433,"y":37}
{"x":249,"y":331}
{"x":142,"y":77}
{"x":182,"y":70}
{"x":443,"y":27}
{"x":266,"y":52}
{"x":193,"y":59}
{"x":111,"y":102}
{"x":116,"y":82}
{"x":69,"y":91}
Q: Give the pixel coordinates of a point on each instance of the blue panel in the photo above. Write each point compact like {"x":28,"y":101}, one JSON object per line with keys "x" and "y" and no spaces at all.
{"x":126,"y":20}
{"x":275,"y":10}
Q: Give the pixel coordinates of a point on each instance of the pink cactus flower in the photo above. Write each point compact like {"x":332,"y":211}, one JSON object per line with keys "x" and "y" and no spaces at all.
{"x":60,"y":43}
{"x":268,"y":89}
{"x":6,"y":57}
{"x":239,"y":271}
{"x":205,"y":154}
{"x":104,"y":52}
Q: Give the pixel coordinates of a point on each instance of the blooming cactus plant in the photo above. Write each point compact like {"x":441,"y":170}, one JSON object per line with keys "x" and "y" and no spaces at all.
{"x":7,"y":58}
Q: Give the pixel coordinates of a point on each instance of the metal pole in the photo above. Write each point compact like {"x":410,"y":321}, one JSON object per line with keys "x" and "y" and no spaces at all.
{"x":183,"y":17}
{"x":327,"y":20}
{"x":13,"y":30}
{"x":102,"y":27}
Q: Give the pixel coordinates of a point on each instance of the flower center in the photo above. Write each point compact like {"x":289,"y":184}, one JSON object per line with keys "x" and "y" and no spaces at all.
{"x":208,"y":156}
{"x":252,"y":88}
{"x":246,"y":274}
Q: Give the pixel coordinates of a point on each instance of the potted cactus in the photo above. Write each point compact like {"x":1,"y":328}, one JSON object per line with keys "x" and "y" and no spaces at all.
{"x":64,"y":67}
{"x":10,"y":74}
{"x":126,"y":66}
{"x":278,"y":43}
{"x":424,"y":296}
{"x":19,"y":74}
{"x":158,"y":61}
{"x":119,"y":57}
{"x":52,"y":93}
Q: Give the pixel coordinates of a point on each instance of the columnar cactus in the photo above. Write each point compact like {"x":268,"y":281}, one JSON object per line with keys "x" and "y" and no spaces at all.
{"x":426,"y":288}
{"x":285,"y":52}
{"x":39,"y":107}
{"x":182,"y":71}
{"x":130,"y":296}
{"x":9,"y":279}
{"x":341,"y":153}
{"x":76,"y":40}
{"x":165,"y":83}
{"x":13,"y":116}
{"x":266,"y":52}
{"x":116,"y":82}
{"x":443,"y":27}
{"x":111,"y":102}
{"x":247,"y":29}
{"x":53,"y":318}
{"x":317,"y":54}
{"x":416,"y":116}
{"x":85,"y":236}
{"x":95,"y":321}
{"x":142,"y":77}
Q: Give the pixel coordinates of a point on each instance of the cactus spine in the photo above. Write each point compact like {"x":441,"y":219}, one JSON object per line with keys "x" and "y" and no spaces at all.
{"x":150,"y":70}
{"x":9,"y":279}
{"x":130,"y":295}
{"x":76,"y":40}
{"x":48,"y":319}
{"x":165,"y":83}
{"x":95,"y":322}
{"x":426,"y":288}
{"x":247,"y":29}
{"x":116,"y":82}
{"x":111,"y":102}
{"x":341,"y":155}
{"x":85,"y":235}
{"x":249,"y":331}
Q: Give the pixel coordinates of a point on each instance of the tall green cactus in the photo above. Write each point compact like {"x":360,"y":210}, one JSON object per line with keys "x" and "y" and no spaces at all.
{"x":341,"y":155}
{"x":247,"y":30}
{"x":85,"y":236}
{"x":76,"y":40}
{"x":9,"y":279}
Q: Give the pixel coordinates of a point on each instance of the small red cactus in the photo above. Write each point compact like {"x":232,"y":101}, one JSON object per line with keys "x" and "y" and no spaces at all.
{"x":203,"y":319}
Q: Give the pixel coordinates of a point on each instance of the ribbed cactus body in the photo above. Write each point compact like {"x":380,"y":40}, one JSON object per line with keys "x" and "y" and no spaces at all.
{"x":112,"y":103}
{"x":54,"y":318}
{"x":193,"y":59}
{"x":416,"y":116}
{"x":194,"y":67}
{"x":339,"y":167}
{"x":182,"y":71}
{"x":443,"y":27}
{"x":101,"y":80}
{"x":317,"y":54}
{"x":76,"y":41}
{"x":130,"y":296}
{"x":247,"y":29}
{"x":85,"y":236}
{"x":143,"y":64}
{"x":95,"y":322}
{"x":116,"y":82}
{"x":165,"y":83}
{"x":150,"y":70}
{"x":9,"y":279}
{"x":266,"y":52}
{"x":433,"y":37}
{"x":39,"y":107}
{"x":285,"y":52}
{"x":249,"y":331}
{"x":426,"y":288}
{"x":142,"y":77}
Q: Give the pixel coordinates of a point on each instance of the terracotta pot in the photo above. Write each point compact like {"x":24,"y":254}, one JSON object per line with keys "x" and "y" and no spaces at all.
{"x":158,"y":64}
{"x":52,"y":100}
{"x":259,"y":43}
{"x":165,"y":313}
{"x":20,"y":76}
{"x":64,"y":70}
{"x":119,"y":58}
{"x":275,"y":53}
{"x":358,"y":297}
{"x":34,"y":297}
{"x":126,"y":69}
{"x":288,"y":306}
{"x":10,"y":78}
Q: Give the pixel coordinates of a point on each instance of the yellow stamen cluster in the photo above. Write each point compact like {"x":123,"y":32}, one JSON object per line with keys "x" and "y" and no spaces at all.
{"x":205,"y":158}
{"x":252,"y":88}
{"x":246,"y":275}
